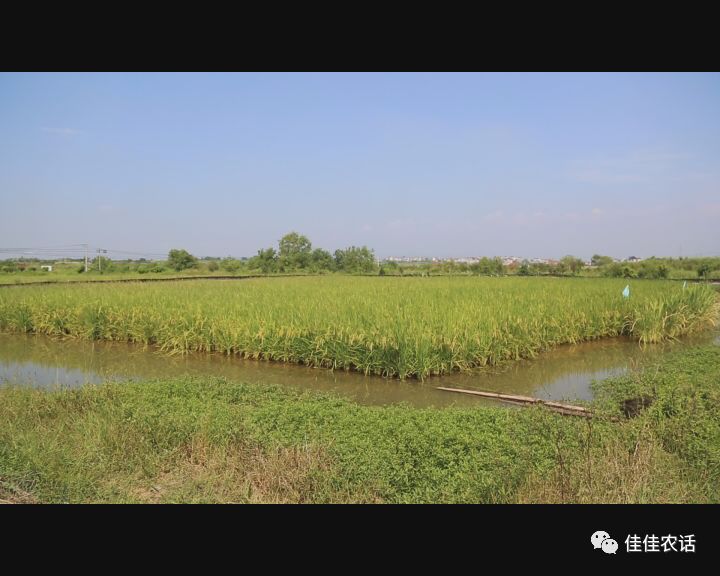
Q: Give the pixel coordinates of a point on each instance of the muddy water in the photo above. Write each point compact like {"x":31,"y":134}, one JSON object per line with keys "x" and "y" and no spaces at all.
{"x":564,"y":373}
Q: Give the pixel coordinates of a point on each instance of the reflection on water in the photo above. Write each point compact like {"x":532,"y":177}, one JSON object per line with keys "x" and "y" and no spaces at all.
{"x":563,"y":373}
{"x":567,"y":371}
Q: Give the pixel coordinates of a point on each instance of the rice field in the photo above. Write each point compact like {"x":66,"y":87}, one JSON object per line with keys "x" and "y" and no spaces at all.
{"x":394,"y":327}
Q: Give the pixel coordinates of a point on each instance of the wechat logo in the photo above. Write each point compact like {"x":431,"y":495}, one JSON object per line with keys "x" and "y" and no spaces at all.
{"x":603,"y":541}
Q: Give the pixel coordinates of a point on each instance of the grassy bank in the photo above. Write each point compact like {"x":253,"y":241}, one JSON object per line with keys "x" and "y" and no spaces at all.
{"x":74,"y":277}
{"x":191,"y":440}
{"x":411,"y":327}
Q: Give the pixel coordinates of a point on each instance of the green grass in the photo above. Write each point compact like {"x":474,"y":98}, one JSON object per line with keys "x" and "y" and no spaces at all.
{"x":406,"y":327}
{"x":196,"y":440}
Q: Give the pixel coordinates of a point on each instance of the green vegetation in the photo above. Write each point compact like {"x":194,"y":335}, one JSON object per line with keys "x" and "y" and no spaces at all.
{"x":601,"y":266}
{"x":194,"y":440}
{"x":409,"y":327}
{"x":704,"y":270}
{"x":294,"y":256}
{"x":355,"y":260}
{"x":651,"y":269}
{"x":599,"y":260}
{"x":294,"y":252}
{"x":103,"y":269}
{"x":572,"y":265}
{"x":181,"y":260}
{"x":687,"y":268}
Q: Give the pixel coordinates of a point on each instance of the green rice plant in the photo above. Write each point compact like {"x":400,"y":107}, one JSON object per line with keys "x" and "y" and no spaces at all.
{"x":394,"y":327}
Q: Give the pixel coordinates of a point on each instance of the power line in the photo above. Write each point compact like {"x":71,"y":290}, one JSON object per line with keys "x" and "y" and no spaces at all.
{"x":76,"y":251}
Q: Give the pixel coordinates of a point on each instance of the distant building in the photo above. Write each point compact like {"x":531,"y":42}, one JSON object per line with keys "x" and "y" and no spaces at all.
{"x":46,"y":267}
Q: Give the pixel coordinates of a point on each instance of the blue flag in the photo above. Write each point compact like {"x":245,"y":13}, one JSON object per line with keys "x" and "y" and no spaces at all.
{"x":626,"y":292}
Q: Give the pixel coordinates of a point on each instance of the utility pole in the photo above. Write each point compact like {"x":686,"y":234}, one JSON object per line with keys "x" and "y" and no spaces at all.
{"x":86,"y":263}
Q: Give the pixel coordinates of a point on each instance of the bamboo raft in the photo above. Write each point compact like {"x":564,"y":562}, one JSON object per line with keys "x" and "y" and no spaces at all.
{"x":567,"y":409}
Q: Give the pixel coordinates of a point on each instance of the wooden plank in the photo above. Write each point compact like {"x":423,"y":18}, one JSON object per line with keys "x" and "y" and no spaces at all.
{"x":556,"y":406}
{"x":512,"y":397}
{"x":565,"y":406}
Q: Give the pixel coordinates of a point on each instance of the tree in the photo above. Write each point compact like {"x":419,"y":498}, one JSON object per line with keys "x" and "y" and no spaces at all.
{"x":231,"y":265}
{"x":266,"y":260}
{"x":614,"y":270}
{"x":321,"y":260}
{"x":356,"y":260}
{"x":181,"y":260}
{"x":598,"y":260}
{"x":651,"y":268}
{"x":487,"y":266}
{"x":572,"y":264}
{"x":294,"y":251}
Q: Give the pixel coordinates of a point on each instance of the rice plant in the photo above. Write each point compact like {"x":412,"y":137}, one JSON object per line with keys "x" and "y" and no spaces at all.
{"x":394,"y":327}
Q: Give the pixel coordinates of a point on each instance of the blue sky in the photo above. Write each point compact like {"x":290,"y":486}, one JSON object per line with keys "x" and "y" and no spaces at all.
{"x":409,"y":164}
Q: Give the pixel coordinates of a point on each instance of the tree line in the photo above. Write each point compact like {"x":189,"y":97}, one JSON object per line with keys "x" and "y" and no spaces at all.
{"x":294,"y":253}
